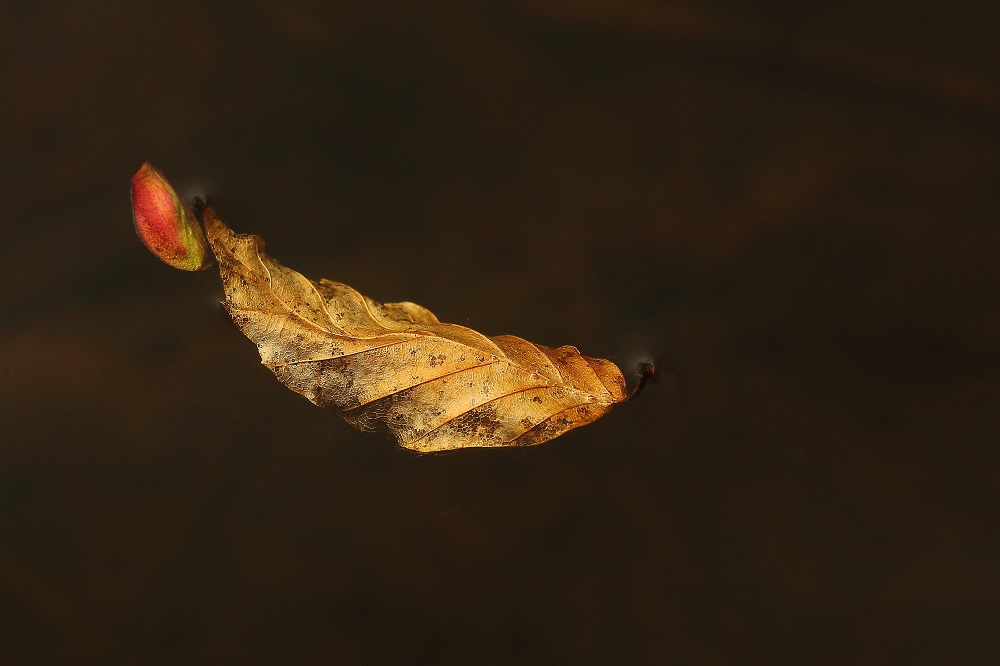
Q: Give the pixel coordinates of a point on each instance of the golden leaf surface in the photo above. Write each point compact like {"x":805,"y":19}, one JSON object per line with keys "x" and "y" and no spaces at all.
{"x":435,"y":386}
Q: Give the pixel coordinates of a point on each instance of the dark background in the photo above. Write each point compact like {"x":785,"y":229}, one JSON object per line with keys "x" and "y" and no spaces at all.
{"x":792,"y":206}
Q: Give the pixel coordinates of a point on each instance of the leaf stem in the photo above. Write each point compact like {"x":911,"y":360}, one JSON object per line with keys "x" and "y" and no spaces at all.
{"x":646,"y":371}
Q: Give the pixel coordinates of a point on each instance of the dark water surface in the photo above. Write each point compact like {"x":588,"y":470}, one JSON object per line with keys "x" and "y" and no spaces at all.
{"x":793,"y":208}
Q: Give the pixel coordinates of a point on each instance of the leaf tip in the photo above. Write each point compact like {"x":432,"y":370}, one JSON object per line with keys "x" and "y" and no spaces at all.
{"x":165,"y":224}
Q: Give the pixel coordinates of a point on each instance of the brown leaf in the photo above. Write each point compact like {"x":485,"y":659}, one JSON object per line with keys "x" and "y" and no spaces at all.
{"x":435,"y":386}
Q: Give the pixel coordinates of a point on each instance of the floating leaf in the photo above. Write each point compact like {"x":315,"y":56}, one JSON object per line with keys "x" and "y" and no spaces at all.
{"x":435,"y":386}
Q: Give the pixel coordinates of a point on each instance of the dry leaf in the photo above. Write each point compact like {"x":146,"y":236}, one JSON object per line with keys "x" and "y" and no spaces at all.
{"x":435,"y":386}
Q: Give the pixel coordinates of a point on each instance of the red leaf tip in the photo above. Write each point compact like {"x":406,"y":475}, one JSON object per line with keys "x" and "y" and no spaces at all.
{"x":165,"y":224}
